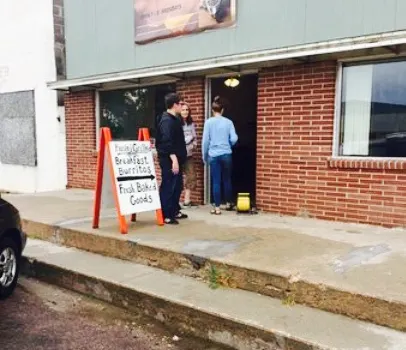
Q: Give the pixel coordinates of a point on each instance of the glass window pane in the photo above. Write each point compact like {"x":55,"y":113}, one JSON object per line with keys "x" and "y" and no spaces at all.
{"x":356,"y":110}
{"x":125,"y":111}
{"x":373,"y":110}
{"x":388,"y":115}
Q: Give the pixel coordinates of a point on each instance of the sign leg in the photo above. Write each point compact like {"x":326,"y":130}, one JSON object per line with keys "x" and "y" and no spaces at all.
{"x":99,"y":179}
{"x":123,"y":225}
{"x":159,"y":217}
{"x":121,"y":219}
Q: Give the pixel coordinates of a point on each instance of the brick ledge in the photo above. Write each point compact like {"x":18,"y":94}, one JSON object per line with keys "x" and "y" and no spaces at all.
{"x":357,"y":163}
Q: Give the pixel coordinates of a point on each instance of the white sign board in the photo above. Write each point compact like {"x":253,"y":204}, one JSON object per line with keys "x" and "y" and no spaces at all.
{"x":134,"y":176}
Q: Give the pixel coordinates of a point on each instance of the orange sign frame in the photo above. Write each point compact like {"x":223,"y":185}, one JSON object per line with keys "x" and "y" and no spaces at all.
{"x":104,"y":150}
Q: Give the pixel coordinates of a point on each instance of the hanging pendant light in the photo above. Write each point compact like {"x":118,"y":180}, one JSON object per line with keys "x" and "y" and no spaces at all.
{"x":232,"y":82}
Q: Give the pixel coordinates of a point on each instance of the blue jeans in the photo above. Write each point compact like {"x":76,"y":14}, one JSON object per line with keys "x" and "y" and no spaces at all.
{"x":220,"y":170}
{"x":170,"y":190}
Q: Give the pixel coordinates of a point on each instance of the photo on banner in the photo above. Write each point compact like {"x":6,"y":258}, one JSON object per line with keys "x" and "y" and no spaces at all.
{"x":158,"y":19}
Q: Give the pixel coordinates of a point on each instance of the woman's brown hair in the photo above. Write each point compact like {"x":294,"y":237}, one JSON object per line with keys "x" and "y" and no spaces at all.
{"x":189,"y":119}
{"x":217,"y":105}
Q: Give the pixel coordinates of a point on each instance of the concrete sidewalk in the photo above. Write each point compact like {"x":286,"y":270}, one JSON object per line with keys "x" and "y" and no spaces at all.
{"x":235,"y":318}
{"x":356,"y":270}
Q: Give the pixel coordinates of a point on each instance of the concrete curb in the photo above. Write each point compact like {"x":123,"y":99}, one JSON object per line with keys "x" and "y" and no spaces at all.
{"x":188,"y":319}
{"x":363,"y":307}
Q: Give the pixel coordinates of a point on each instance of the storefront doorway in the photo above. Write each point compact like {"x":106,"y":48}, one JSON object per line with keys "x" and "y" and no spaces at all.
{"x":241,"y":108}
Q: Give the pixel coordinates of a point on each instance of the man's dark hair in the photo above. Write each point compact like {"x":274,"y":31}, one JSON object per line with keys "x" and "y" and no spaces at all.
{"x":171,"y":99}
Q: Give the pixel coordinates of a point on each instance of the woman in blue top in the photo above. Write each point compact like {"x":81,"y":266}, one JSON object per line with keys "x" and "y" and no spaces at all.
{"x":219,"y":137}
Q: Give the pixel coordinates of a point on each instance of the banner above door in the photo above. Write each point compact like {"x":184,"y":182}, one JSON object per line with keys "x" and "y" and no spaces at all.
{"x":161,"y":19}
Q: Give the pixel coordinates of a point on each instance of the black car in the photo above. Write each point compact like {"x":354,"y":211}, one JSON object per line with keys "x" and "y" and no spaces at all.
{"x":12,"y":244}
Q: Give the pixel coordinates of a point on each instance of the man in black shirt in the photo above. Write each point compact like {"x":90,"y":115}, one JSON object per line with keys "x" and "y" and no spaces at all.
{"x":171,"y":148}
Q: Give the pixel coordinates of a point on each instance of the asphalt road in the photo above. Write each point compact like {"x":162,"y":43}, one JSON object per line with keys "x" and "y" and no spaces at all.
{"x":39,"y":316}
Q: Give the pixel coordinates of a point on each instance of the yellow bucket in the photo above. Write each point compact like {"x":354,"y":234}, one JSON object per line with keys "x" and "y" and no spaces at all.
{"x":243,"y":202}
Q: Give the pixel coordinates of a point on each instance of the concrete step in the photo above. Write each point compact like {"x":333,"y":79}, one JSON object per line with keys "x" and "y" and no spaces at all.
{"x":237,"y":318}
{"x":336,"y":295}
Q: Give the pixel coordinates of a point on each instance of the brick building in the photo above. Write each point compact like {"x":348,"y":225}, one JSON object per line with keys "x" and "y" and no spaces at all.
{"x":32,"y":129}
{"x":320,"y":108}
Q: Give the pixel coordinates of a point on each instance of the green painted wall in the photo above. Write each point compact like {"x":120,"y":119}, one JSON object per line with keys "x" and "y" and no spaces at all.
{"x":100,"y":33}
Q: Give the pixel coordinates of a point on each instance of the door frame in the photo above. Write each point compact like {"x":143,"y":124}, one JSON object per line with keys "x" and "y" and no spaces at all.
{"x":207,"y":111}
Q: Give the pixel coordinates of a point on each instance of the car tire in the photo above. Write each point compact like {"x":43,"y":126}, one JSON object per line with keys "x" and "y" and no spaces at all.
{"x":8,"y":246}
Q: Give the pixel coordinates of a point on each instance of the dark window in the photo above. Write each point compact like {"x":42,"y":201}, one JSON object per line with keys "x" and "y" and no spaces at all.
{"x":373,"y":110}
{"x":125,"y":111}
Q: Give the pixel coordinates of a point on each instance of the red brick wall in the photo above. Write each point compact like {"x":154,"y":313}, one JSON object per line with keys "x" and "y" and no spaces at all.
{"x":192,"y":92}
{"x":81,"y":139}
{"x":295,"y":172}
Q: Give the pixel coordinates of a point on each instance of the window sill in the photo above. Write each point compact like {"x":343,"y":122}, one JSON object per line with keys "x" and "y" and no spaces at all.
{"x":367,"y":163}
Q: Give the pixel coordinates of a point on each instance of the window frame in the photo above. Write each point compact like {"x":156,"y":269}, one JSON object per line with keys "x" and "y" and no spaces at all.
{"x":338,"y":101}
{"x":115,"y":88}
{"x":97,"y":116}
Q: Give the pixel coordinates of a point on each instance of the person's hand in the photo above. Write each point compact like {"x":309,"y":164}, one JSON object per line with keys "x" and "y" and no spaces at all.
{"x":175,"y":167}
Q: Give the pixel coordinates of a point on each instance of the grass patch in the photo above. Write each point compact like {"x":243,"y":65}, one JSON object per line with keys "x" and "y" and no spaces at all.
{"x":219,"y":278}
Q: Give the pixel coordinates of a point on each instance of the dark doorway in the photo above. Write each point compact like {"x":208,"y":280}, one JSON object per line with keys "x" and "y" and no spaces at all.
{"x":241,"y":108}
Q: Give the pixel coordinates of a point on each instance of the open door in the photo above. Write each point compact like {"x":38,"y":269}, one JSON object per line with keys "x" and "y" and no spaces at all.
{"x":241,"y":108}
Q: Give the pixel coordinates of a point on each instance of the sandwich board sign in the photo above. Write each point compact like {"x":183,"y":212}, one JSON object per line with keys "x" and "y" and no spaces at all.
{"x":133,"y":187}
{"x":134,"y":175}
